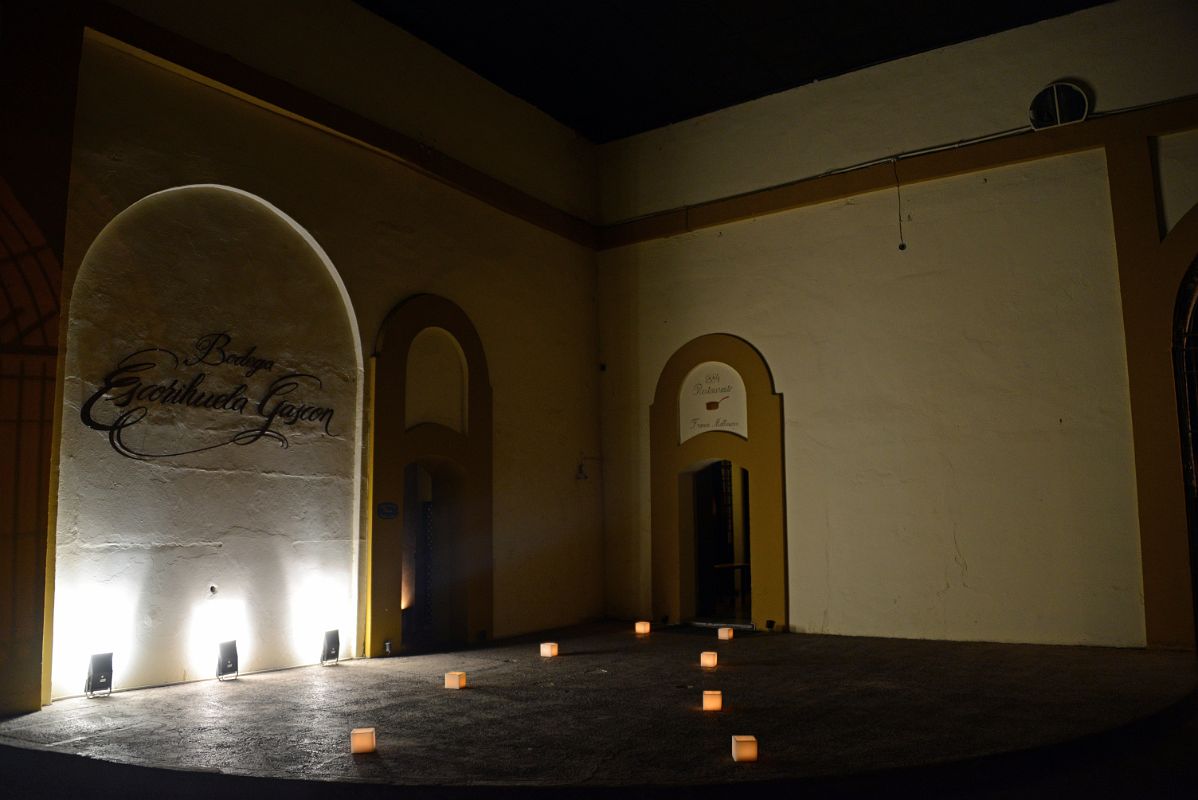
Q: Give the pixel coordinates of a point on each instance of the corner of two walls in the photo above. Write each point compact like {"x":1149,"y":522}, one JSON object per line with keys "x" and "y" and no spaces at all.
{"x":820,"y":291}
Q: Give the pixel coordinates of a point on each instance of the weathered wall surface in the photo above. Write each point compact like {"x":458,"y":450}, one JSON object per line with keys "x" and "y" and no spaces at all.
{"x":1130,"y":53}
{"x":208,"y":447}
{"x":958,"y":444}
{"x":958,"y":437}
{"x":390,"y":234}
{"x":344,"y":53}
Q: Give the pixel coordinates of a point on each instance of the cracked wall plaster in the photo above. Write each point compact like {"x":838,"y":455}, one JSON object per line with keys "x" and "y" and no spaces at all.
{"x":157,"y":507}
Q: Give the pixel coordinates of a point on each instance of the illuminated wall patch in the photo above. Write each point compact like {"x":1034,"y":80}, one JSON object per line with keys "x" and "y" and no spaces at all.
{"x":209,"y":454}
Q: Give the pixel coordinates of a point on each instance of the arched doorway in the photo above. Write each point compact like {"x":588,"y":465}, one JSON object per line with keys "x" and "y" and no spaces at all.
{"x":1185,"y":365}
{"x":429,"y":581}
{"x":718,"y":510}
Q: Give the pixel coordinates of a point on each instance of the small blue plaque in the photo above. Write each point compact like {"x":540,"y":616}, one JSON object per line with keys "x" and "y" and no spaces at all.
{"x":387,"y":511}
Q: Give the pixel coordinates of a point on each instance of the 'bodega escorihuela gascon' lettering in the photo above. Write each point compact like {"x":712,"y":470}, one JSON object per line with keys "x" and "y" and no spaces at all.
{"x":146,"y":380}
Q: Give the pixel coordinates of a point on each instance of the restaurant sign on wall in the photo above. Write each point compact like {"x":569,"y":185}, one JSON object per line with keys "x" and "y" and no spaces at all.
{"x":198,"y":387}
{"x":712,"y":399}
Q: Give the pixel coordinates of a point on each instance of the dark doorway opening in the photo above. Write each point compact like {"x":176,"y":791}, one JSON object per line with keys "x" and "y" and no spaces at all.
{"x":721,"y":524}
{"x":1185,"y":366}
{"x":434,"y":591}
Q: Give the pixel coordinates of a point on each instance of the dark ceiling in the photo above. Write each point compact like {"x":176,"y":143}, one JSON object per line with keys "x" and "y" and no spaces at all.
{"x":613,"y":68}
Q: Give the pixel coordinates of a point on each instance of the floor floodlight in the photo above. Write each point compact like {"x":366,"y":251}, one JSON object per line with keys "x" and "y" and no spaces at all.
{"x":226,"y":665}
{"x":99,"y":675}
{"x":332,"y":647}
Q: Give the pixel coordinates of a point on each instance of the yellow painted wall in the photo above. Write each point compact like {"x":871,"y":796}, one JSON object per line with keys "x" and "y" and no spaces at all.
{"x":345,"y":54}
{"x":957,"y":437}
{"x":390,"y":234}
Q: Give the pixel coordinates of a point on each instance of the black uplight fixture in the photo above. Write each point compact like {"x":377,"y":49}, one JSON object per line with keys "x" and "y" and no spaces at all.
{"x":332,"y":647}
{"x":226,"y":665}
{"x":99,"y":675}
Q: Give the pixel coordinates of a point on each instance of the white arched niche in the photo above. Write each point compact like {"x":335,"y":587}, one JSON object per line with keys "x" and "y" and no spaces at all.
{"x":210,"y":445}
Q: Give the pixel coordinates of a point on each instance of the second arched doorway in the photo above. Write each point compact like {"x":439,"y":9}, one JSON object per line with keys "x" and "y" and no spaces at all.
{"x":718,"y":508}
{"x":429,"y":579}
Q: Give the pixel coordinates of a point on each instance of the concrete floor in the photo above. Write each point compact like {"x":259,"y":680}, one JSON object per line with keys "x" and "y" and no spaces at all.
{"x":619,"y":712}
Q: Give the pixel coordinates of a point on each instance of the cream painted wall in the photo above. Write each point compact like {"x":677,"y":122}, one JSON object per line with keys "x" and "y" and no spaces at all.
{"x":391,"y":233}
{"x":1177,"y":167}
{"x":345,"y":54}
{"x":1130,"y":53}
{"x":958,"y":436}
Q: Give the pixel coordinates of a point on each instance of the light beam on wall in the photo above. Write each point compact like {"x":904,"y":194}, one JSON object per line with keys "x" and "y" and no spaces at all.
{"x":215,"y":620}
{"x":319,"y":602}
{"x":90,"y":618}
{"x":158,"y":527}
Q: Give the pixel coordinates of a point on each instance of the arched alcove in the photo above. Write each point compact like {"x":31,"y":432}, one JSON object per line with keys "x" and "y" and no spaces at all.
{"x":715,"y":410}
{"x":436,"y":381}
{"x":430,"y":535}
{"x":209,"y":453}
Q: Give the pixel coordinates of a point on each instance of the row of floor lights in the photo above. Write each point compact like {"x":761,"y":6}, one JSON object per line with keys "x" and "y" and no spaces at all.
{"x":99,"y":669}
{"x":744,"y":748}
{"x":362,"y":740}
